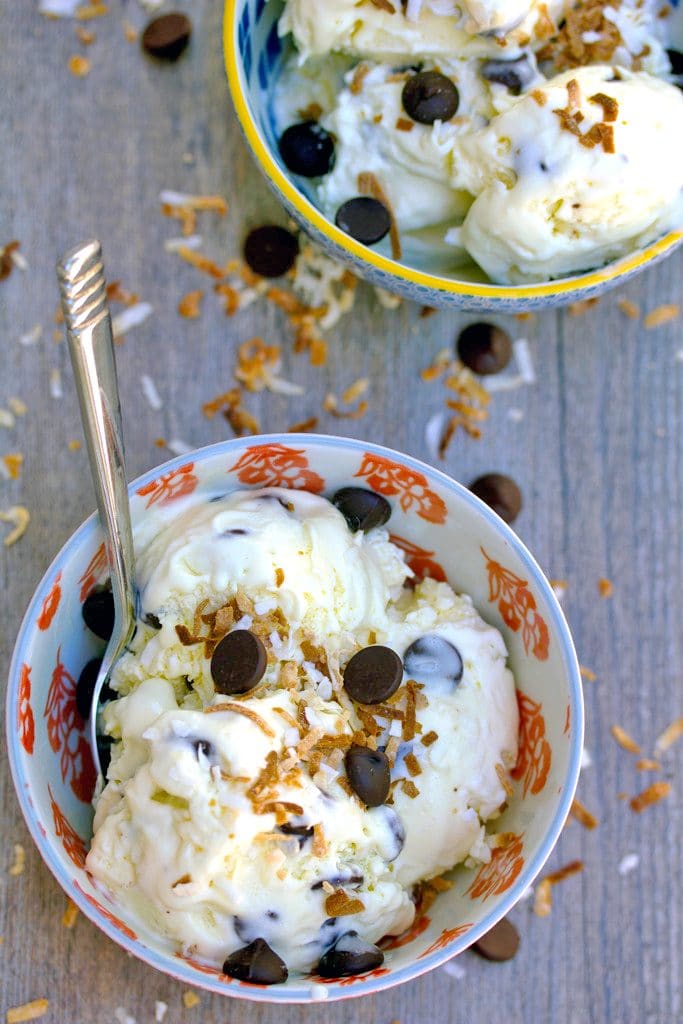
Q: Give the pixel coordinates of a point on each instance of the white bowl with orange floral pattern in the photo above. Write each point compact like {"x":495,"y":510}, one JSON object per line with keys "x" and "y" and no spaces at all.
{"x":446,"y":532}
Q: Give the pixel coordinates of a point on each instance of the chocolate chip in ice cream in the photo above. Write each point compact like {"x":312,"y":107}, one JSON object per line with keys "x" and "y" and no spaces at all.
{"x":302,"y":832}
{"x":362,"y":509}
{"x":500,"y":493}
{"x":500,"y":943}
{"x":430,"y":96}
{"x":167,"y":36}
{"x":368,"y":774}
{"x":256,"y":963}
{"x":307,"y":149}
{"x":204,"y":748}
{"x":150,"y":619}
{"x":364,"y":218}
{"x":349,"y":955}
{"x":238,"y":662}
{"x":676,"y":61}
{"x":373,"y":674}
{"x":484,"y":348}
{"x":98,"y":612}
{"x":515,"y":74}
{"x":271,"y":251}
{"x":85,"y":687}
{"x":433,"y":659}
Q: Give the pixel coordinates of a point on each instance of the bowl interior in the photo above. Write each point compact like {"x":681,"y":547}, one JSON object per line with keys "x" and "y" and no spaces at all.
{"x":255,"y":55}
{"x":446,"y":533}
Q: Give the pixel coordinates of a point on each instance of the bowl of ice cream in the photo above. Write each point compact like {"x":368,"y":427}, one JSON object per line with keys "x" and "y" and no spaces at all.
{"x":343,"y":741}
{"x":482,"y":155}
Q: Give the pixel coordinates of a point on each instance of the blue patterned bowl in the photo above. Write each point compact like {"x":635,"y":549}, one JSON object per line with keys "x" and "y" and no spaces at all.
{"x":446,"y":533}
{"x":254,"y":54}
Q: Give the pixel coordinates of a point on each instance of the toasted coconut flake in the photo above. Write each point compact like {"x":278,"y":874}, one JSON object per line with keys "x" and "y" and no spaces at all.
{"x":652,"y":795}
{"x":500,"y":840}
{"x":504,"y":779}
{"x":605,"y":587}
{"x":216,"y":204}
{"x":85,"y":35}
{"x":129,"y":31}
{"x":70,"y":915}
{"x":79,"y":66}
{"x":56,"y":390}
{"x":190,"y":999}
{"x":17,"y":866}
{"x":624,"y":740}
{"x":339,"y":904}
{"x":409,"y":788}
{"x":582,"y":306}
{"x":359,"y":75}
{"x":648,"y":764}
{"x":185,"y":241}
{"x":666,"y":739}
{"x":239,"y":709}
{"x":429,"y":738}
{"x":610,"y":107}
{"x":303,"y":426}
{"x":629,"y":308}
{"x":543,"y":898}
{"x":149,"y":390}
{"x":88,"y":11}
{"x":202,"y":262}
{"x":190,"y":304}
{"x":7,"y":419}
{"x":440,"y":884}
{"x":587,"y":674}
{"x":18,"y":407}
{"x":131,"y":317}
{"x":573,"y":868}
{"x":19,"y":516}
{"x":319,"y":847}
{"x":368,"y":185}
{"x":583,"y":815}
{"x":661,"y":315}
{"x":27,"y":1011}
{"x":32,"y":336}
{"x":13,"y":462}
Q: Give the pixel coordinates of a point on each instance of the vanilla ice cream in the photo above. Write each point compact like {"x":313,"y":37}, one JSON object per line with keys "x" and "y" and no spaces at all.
{"x":232,"y":822}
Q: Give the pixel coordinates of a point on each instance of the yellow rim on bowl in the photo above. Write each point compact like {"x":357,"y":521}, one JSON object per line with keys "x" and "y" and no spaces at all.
{"x":383,"y":263}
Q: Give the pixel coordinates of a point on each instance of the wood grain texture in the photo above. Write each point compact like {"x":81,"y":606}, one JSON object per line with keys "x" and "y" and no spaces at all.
{"x":596,"y":448}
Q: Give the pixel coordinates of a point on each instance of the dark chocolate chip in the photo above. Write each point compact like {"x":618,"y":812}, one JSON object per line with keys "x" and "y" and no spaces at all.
{"x":307,"y":149}
{"x":368,"y":774}
{"x":485,"y":348}
{"x":98,"y":612}
{"x":515,"y":75}
{"x":85,"y":687}
{"x":204,"y":747}
{"x":256,"y":963}
{"x":271,"y":250}
{"x":432,"y":659}
{"x":362,"y":509}
{"x":339,"y":880}
{"x":500,"y":493}
{"x":398,"y":832}
{"x":364,"y":218}
{"x":167,"y":36}
{"x":302,"y":832}
{"x":500,"y":943}
{"x":152,"y":620}
{"x":236,"y":532}
{"x":430,"y":96}
{"x":373,"y":674}
{"x":104,"y":745}
{"x":238,"y":662}
{"x":676,"y":61}
{"x":349,"y":955}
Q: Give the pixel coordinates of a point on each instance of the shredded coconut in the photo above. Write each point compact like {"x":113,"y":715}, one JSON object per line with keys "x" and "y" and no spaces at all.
{"x":149,"y":390}
{"x":130,"y":317}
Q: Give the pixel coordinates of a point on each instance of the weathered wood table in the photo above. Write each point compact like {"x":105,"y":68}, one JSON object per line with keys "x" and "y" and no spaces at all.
{"x":595,"y":445}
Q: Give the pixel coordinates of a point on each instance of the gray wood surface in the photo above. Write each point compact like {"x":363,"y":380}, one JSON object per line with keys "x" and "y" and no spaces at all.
{"x":597,"y":452}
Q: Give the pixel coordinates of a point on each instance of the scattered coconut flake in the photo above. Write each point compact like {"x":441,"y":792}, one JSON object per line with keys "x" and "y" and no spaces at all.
{"x":661,"y":315}
{"x":32,"y":336}
{"x":17,"y":867}
{"x":388,"y":300}
{"x":70,"y":915}
{"x":679,"y":356}
{"x":628,"y":863}
{"x":58,"y":8}
{"x":527,"y":894}
{"x":434,"y":432}
{"x":454,"y":969}
{"x":74,"y":445}
{"x":79,"y":66}
{"x":666,"y":739}
{"x":149,"y":390}
{"x":190,"y":999}
{"x":648,"y":764}
{"x":12,"y":464}
{"x":515,"y":415}
{"x":19,"y":516}
{"x":583,"y":815}
{"x":559,"y":588}
{"x":19,"y":260}
{"x":587,"y":674}
{"x":605,"y":587}
{"x":586,"y":759}
{"x":160,"y":1011}
{"x":629,"y":308}
{"x":652,"y":795}
{"x":624,"y":740}
{"x":6,"y":418}
{"x":18,"y":407}
{"x":543,"y":894}
{"x":27,"y":1011}
{"x":123,"y":1017}
{"x":131,"y":317}
{"x":178,"y":447}
{"x":56,"y":384}
{"x":190,"y":306}
{"x":217,"y":204}
{"x":524,"y":362}
{"x":188,"y":242}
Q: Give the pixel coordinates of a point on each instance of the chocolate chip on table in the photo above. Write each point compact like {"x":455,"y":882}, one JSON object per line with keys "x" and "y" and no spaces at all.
{"x":500,"y":943}
{"x":430,"y":96}
{"x":362,"y":509}
{"x":431,"y":658}
{"x":500,"y":493}
{"x":167,"y":36}
{"x":307,"y":149}
{"x":98,"y":612}
{"x":368,"y":774}
{"x":238,"y":663}
{"x":271,"y":251}
{"x":373,"y":674}
{"x":349,"y":955}
{"x":364,"y":218}
{"x":256,"y":963}
{"x":515,"y":74}
{"x":484,"y":348}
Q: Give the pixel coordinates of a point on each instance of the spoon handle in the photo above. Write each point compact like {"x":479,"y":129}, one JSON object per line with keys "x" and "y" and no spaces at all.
{"x":91,"y":346}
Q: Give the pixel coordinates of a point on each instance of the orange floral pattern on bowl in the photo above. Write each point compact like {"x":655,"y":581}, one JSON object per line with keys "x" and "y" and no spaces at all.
{"x":499,"y":874}
{"x":419,"y":925}
{"x":535,"y":754}
{"x":171,"y":486}
{"x":517,"y":605}
{"x":318,"y":979}
{"x":26,"y":722}
{"x":420,"y":560}
{"x":391,"y":478}
{"x":74,"y":846}
{"x":50,"y":604}
{"x":276,"y":465}
{"x":94,"y":571}
{"x":65,"y":733}
{"x":447,"y":936}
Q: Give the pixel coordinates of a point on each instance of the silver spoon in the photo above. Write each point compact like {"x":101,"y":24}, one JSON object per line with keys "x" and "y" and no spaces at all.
{"x":91,"y":345}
